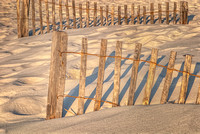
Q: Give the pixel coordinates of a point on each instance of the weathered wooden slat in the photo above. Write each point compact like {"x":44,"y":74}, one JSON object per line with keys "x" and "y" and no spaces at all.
{"x":159,"y":13}
{"x":174,"y":12}
{"x":138,"y":14}
{"x":168,"y":78}
{"x":185,"y":12}
{"x":41,"y":19}
{"x":125,"y":14}
{"x":24,"y":23}
{"x":167,"y":12}
{"x":113,"y":15}
{"x":82,"y":76}
{"x":152,"y":13}
{"x":198,"y":96}
{"x":67,"y":14}
{"x":74,"y":13}
{"x":134,"y":73}
{"x":185,"y":79}
{"x":150,"y":78}
{"x":101,"y":71}
{"x":53,"y":15}
{"x":22,"y":19}
{"x":95,"y":14}
{"x":107,"y":11}
{"x":87,"y":13}
{"x":47,"y":15}
{"x":57,"y":76}
{"x":116,"y":90}
{"x":18,"y":19}
{"x":132,"y":13}
{"x":144,"y":15}
{"x":101,"y":15}
{"x":119,"y":15}
{"x":33,"y":16}
{"x":80,"y":15}
{"x":60,"y":15}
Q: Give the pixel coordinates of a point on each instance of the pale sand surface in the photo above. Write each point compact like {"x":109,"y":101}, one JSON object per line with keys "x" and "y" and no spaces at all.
{"x":24,"y":70}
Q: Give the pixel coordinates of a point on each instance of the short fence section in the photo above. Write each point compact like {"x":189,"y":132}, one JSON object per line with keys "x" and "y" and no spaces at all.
{"x":58,"y":74}
{"x":90,"y":16}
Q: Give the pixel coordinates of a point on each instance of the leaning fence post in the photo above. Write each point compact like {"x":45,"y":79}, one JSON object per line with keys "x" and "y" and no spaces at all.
{"x":53,"y":15}
{"x":80,"y":14}
{"x":168,"y":77}
{"x":138,"y":14}
{"x":185,"y":79}
{"x":167,"y":12}
{"x":18,"y":19}
{"x":125,"y":14}
{"x":60,"y":14}
{"x":116,"y":89}
{"x":47,"y":15}
{"x":82,"y":76}
{"x":160,"y":13}
{"x":74,"y":14}
{"x":174,"y":14}
{"x":57,"y":76}
{"x":67,"y":14}
{"x":152,"y":13}
{"x":101,"y":15}
{"x":132,"y":13}
{"x":150,"y":78}
{"x":87,"y":14}
{"x":95,"y":14}
{"x":41,"y":19}
{"x":144,"y":15}
{"x":100,"y":78}
{"x":136,"y":61}
{"x":119,"y":15}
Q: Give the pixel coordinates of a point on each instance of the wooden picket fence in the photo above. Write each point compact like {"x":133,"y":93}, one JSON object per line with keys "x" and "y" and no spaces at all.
{"x":107,"y":17}
{"x":58,"y":74}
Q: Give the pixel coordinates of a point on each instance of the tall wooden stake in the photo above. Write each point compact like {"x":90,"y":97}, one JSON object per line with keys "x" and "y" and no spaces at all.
{"x":167,"y":12}
{"x":80,"y":14}
{"x":160,"y":13}
{"x":125,"y":14}
{"x":95,"y":14}
{"x":87,"y":14}
{"x":119,"y":15}
{"x":67,"y":14}
{"x":152,"y":13}
{"x":47,"y":15}
{"x":60,"y":15}
{"x":41,"y":19}
{"x":53,"y":15}
{"x":74,"y":14}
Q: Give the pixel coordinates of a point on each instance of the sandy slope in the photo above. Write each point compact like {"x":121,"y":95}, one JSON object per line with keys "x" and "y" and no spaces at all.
{"x":24,"y":70}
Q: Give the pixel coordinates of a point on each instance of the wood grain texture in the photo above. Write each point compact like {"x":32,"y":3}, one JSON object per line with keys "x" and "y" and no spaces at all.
{"x":67,"y":14}
{"x":125,"y":14}
{"x":117,"y":73}
{"x":81,"y":15}
{"x":167,"y":12}
{"x":132,"y":14}
{"x":144,"y":15}
{"x":82,"y":76}
{"x":152,"y":13}
{"x":101,"y":15}
{"x":53,"y":15}
{"x":18,"y":19}
{"x":134,"y":73}
{"x":174,"y":12}
{"x":95,"y":14}
{"x":41,"y":18}
{"x":87,"y":14}
{"x":101,"y":71}
{"x":47,"y":15}
{"x":119,"y":15}
{"x":33,"y":16}
{"x":112,"y":15}
{"x":107,"y":11}
{"x":138,"y":14}
{"x":74,"y":13}
{"x":159,"y":13}
{"x":168,"y":77}
{"x":185,"y":79}
{"x":57,"y":75}
{"x":151,"y":75}
{"x":60,"y":15}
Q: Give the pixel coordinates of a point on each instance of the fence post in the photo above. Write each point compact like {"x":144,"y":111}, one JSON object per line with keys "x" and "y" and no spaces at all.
{"x":60,"y":14}
{"x":174,"y":14}
{"x":100,"y":78}
{"x":167,"y":12}
{"x":160,"y":13}
{"x":107,"y":10}
{"x":57,"y":75}
{"x":138,"y":14}
{"x":24,"y":24}
{"x":87,"y":13}
{"x":53,"y":15}
{"x":82,"y":76}
{"x":95,"y":14}
{"x":41,"y":19}
{"x":150,"y":78}
{"x":144,"y":15}
{"x":18,"y":19}
{"x":101,"y":15}
{"x":134,"y":73}
{"x":152,"y":13}
{"x":74,"y":14}
{"x":67,"y":14}
{"x":119,"y":15}
{"x":125,"y":14}
{"x":80,"y":14}
{"x":185,"y":9}
{"x":198,"y":96}
{"x":132,"y":13}
{"x":185,"y":79}
{"x":168,"y":78}
{"x":116,"y":90}
{"x":47,"y":14}
{"x":113,"y":15}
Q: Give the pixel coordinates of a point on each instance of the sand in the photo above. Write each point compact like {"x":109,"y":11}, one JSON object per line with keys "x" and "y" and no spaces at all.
{"x":24,"y":71}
